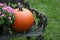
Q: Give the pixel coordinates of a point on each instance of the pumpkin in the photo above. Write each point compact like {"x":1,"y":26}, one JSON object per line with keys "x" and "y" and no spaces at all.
{"x":23,"y":20}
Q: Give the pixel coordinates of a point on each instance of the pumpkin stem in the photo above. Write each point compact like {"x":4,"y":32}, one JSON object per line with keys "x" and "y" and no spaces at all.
{"x":19,"y":6}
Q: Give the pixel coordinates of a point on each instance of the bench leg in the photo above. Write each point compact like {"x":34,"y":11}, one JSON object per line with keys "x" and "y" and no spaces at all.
{"x":40,"y":37}
{"x":28,"y":38}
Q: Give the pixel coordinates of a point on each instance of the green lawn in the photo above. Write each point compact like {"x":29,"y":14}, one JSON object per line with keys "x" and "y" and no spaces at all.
{"x":52,"y":9}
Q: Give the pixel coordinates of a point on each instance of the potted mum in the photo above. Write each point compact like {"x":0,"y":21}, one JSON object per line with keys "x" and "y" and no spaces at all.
{"x":6,"y":17}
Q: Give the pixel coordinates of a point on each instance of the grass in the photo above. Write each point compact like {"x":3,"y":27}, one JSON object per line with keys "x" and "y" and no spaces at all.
{"x":52,"y":9}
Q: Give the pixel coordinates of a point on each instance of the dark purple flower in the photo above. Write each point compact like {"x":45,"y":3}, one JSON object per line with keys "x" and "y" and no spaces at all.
{"x":9,"y":18}
{"x":8,"y":9}
{"x":2,"y":15}
{"x":0,"y":12}
{"x":4,"y":4}
{"x":1,"y":4}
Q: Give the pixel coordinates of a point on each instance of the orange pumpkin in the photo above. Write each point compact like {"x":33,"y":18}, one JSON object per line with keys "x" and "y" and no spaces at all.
{"x":23,"y":20}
